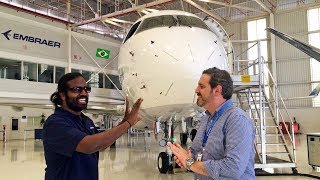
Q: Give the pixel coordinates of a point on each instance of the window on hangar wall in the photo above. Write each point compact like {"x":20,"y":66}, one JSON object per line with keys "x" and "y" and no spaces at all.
{"x":256,"y":31}
{"x":314,"y":40}
{"x":12,"y":69}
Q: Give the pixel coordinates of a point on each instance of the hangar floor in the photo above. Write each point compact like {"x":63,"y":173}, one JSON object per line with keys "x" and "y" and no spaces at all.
{"x":131,"y":159}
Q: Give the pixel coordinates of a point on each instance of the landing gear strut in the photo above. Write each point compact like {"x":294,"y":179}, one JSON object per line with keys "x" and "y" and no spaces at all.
{"x":193,"y":134}
{"x":165,"y":159}
{"x":183,"y":138}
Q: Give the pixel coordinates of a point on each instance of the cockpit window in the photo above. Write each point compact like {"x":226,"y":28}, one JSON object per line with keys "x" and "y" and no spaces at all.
{"x":158,"y":21}
{"x":191,"y":22}
{"x":132,"y":30}
{"x":171,"y":20}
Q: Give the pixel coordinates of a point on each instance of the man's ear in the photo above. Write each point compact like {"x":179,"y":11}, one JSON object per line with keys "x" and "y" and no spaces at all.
{"x":219,"y":90}
{"x":63,"y":96}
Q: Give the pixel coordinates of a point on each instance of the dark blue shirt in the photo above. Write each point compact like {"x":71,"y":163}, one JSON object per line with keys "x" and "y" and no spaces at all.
{"x":62,"y":132}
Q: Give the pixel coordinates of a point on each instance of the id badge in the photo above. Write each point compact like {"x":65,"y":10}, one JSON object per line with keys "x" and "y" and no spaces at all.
{"x":200,"y":154}
{"x":199,"y":157}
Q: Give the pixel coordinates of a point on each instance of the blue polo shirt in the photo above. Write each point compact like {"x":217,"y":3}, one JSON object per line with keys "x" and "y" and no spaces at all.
{"x":62,"y":132}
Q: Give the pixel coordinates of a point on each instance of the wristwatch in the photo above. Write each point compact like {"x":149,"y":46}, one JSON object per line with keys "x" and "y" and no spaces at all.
{"x":190,"y":161}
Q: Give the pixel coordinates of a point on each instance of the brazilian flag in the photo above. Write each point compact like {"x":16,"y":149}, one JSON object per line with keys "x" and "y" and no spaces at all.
{"x":103,"y":53}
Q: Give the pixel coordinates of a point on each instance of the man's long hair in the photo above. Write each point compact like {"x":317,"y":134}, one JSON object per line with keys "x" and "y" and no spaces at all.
{"x":63,"y":87}
{"x":220,"y":77}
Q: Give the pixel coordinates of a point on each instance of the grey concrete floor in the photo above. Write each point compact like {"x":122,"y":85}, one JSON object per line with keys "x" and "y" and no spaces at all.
{"x":134,"y":158}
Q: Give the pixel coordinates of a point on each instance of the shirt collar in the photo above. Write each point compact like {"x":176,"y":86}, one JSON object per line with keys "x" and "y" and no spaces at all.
{"x":61,"y":110}
{"x":219,"y":108}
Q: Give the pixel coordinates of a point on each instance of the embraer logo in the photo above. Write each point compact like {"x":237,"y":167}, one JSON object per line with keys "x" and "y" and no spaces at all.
{"x":31,"y":39}
{"x":6,"y":34}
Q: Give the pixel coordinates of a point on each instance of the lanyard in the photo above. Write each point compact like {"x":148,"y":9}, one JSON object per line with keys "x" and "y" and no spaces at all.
{"x":215,"y":118}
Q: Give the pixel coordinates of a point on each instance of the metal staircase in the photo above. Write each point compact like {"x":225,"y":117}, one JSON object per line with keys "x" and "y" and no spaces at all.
{"x":274,"y":144}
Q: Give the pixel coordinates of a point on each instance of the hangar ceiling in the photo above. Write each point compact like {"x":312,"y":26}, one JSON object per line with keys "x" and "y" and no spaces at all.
{"x":114,"y":17}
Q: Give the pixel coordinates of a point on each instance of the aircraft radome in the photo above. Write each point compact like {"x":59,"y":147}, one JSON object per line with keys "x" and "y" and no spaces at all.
{"x":161,"y":60}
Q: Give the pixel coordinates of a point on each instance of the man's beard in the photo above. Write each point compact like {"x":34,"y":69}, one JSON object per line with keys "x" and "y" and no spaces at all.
{"x":73,"y":103}
{"x":202,"y":103}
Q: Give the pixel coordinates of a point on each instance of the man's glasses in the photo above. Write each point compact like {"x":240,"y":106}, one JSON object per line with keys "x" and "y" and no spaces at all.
{"x":79,"y":89}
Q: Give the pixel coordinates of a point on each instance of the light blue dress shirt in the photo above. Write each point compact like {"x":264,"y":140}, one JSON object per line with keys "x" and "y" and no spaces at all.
{"x":229,"y":151}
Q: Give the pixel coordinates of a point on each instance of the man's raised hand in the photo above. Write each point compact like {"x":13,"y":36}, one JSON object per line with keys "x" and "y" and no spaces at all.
{"x":132,"y":116}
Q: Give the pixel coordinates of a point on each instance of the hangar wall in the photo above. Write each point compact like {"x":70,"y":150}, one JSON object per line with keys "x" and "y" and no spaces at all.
{"x":293,"y":66}
{"x":293,"y":69}
{"x":30,"y":39}
{"x":238,"y":31}
{"x":21,"y":43}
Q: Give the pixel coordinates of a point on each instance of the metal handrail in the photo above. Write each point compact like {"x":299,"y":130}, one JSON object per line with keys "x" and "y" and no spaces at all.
{"x":263,"y":101}
{"x":277,"y":97}
{"x":247,"y":49}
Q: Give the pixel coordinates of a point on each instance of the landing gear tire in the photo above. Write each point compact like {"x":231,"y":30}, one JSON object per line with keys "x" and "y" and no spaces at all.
{"x":183,"y":138}
{"x":193,"y":134}
{"x":163,"y":163}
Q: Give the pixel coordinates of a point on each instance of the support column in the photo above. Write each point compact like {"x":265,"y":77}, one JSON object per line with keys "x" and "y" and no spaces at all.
{"x":274,"y":67}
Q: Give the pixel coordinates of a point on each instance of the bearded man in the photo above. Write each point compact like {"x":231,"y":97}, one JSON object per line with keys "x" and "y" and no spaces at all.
{"x":70,"y":139}
{"x":223,"y":147}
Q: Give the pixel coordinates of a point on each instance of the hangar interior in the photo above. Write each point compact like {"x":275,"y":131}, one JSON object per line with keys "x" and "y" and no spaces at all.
{"x":43,"y":39}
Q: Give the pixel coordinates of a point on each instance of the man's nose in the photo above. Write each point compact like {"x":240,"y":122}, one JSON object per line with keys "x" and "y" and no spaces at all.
{"x":84,"y":92}
{"x":196,"y":90}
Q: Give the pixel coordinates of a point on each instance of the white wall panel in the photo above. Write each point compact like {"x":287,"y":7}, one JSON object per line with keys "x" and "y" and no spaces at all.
{"x":26,"y":49}
{"x":293,"y":66}
{"x":238,"y":31}
{"x":307,"y":117}
{"x":29,"y":30}
{"x":91,"y":45}
{"x":290,"y":71}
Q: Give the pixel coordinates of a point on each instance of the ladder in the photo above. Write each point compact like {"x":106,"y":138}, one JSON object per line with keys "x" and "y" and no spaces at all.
{"x":274,"y":144}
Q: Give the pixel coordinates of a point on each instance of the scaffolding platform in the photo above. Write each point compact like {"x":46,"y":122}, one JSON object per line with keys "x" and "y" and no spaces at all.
{"x":273,"y":162}
{"x":257,"y":94}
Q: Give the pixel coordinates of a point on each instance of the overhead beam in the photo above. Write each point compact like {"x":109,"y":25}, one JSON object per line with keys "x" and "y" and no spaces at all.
{"x":132,"y":4}
{"x":92,"y":10}
{"x":229,"y":9}
{"x":246,"y":8}
{"x":231,"y":5}
{"x":182,"y":7}
{"x":121,"y":21}
{"x":217,"y":17}
{"x":125,"y":11}
{"x":216,"y":2}
{"x":107,"y":32}
{"x":263,"y":6}
{"x":109,"y":21}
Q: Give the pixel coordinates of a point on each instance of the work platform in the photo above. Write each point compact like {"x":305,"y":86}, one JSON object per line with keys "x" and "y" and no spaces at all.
{"x":273,"y":148}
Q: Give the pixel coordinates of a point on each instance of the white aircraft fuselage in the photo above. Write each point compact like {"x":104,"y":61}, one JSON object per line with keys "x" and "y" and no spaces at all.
{"x":162,"y":59}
